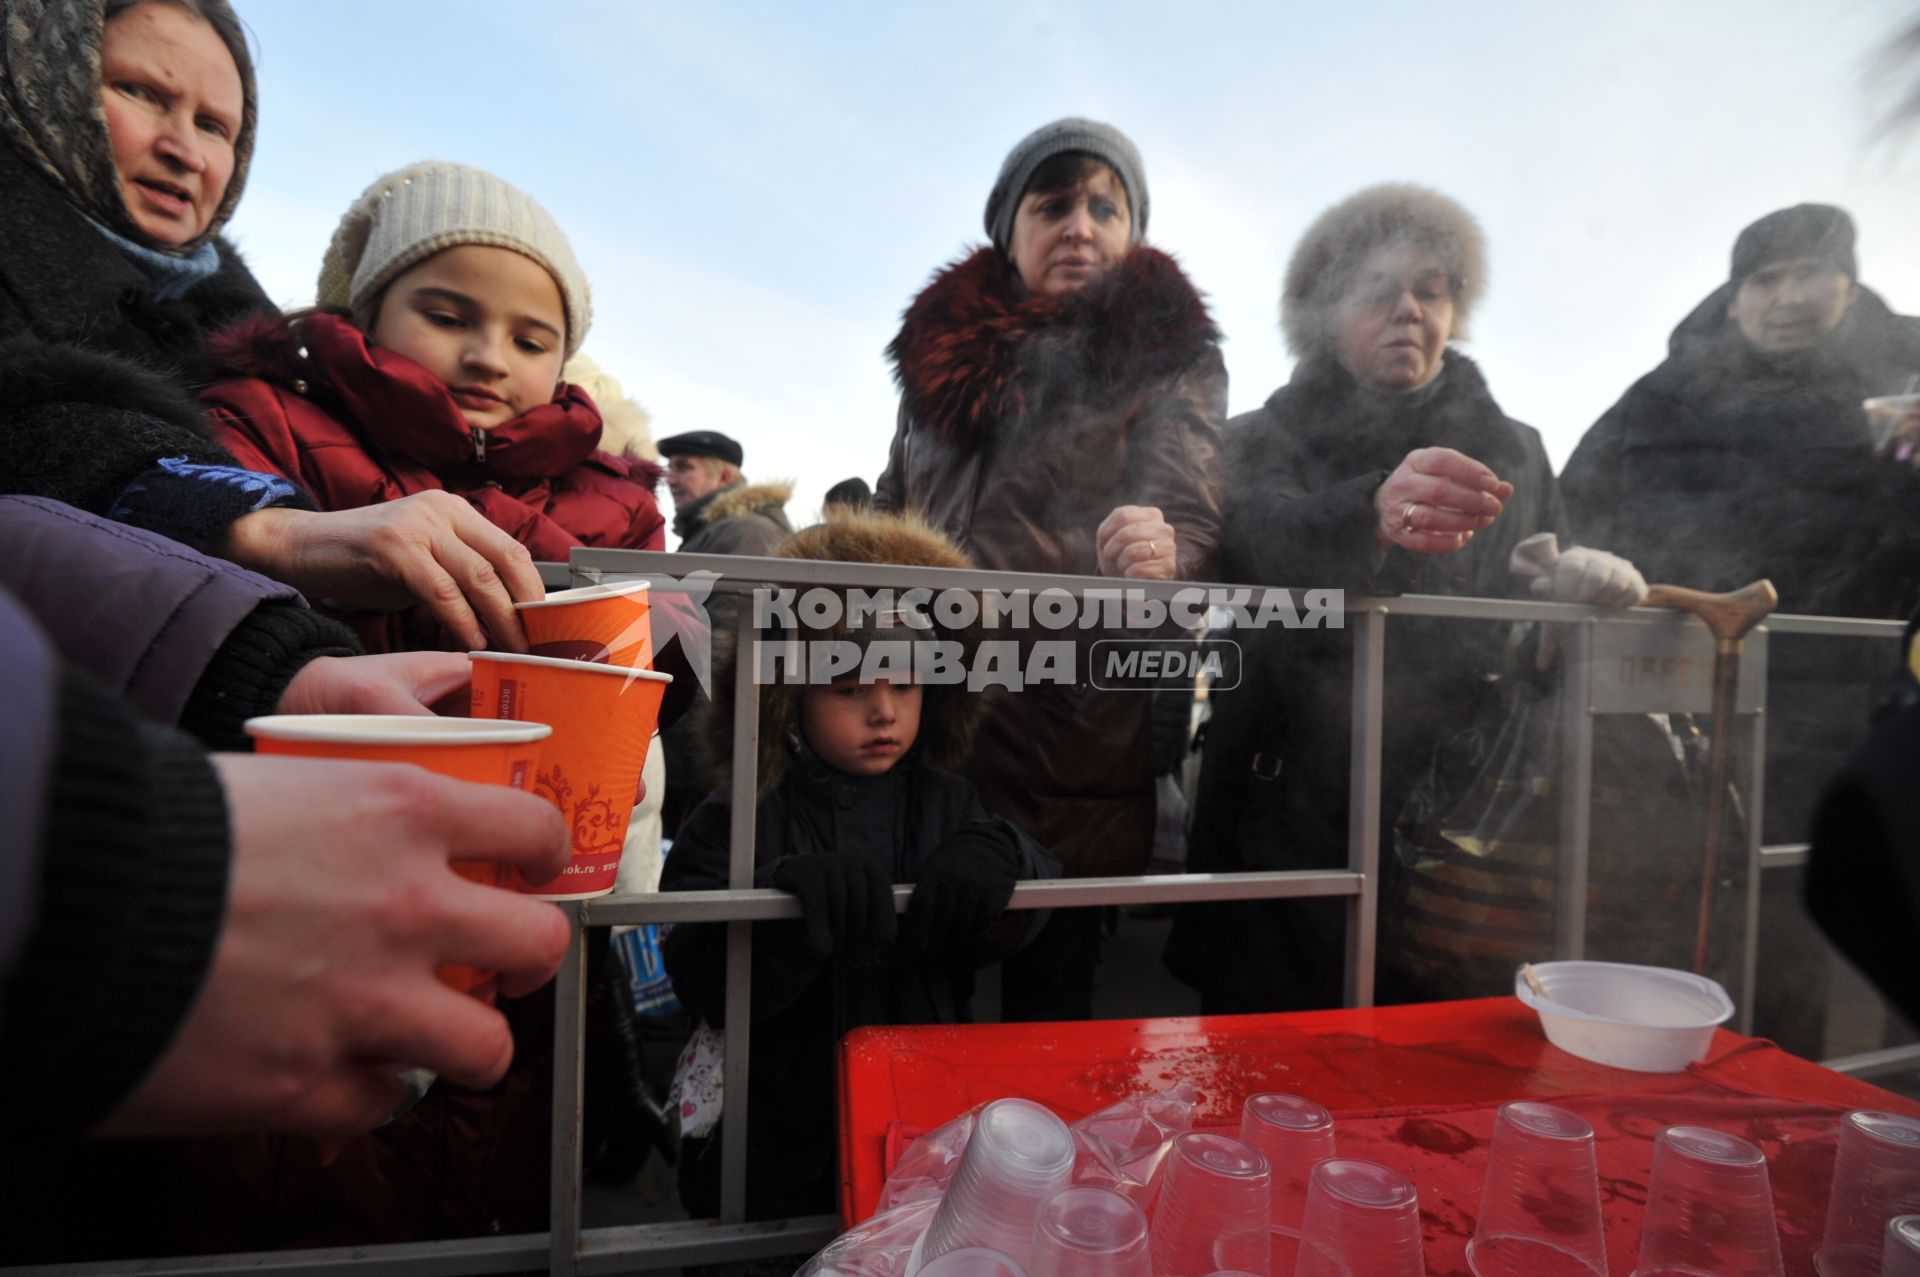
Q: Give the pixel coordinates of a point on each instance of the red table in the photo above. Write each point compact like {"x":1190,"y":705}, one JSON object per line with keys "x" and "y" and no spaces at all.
{"x":1414,"y":1087}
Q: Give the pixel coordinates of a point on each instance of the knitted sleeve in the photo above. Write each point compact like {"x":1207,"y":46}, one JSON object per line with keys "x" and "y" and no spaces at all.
{"x":251,"y":670}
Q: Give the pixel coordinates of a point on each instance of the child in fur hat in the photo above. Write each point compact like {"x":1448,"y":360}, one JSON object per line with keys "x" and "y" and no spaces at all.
{"x":448,"y":303}
{"x":853,"y":798}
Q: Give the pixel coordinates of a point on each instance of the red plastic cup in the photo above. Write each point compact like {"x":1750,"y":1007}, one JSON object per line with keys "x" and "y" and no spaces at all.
{"x":1540,"y":1206}
{"x":1294,"y":1135}
{"x":973,"y":1261}
{"x":1709,"y":1208}
{"x":1018,"y":1156}
{"x":1362,"y":1218}
{"x":1212,"y":1211}
{"x":1901,"y":1257}
{"x":1876,"y":1176}
{"x":1090,"y":1231}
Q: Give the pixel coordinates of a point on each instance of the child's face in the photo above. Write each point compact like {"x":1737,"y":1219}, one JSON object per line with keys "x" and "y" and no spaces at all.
{"x":861,"y":729}
{"x":487,"y":321}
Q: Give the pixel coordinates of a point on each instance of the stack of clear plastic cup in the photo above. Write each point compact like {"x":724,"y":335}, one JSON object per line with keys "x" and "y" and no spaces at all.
{"x":1901,"y":1257}
{"x":1361,"y":1218}
{"x":1709,"y":1208}
{"x":1540,"y":1207}
{"x":1090,"y":1232}
{"x":973,"y":1261}
{"x":1876,"y":1176}
{"x":1212,"y":1212}
{"x":1293,"y":1134}
{"x":1019,"y":1155}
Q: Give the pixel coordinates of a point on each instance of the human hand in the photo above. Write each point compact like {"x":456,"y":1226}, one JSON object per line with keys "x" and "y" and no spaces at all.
{"x":390,"y":683}
{"x":431,"y":547}
{"x":1136,"y":541}
{"x":1579,"y":575}
{"x":341,"y":908}
{"x":1435,"y":500}
{"x":961,"y":891}
{"x":847,"y":902}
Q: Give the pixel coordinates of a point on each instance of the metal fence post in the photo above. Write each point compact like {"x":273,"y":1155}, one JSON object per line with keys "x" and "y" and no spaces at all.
{"x":1363,"y":800}
{"x":746,"y":783}
{"x":1576,"y":793}
{"x":1756,"y":835}
{"x":569,"y":1022}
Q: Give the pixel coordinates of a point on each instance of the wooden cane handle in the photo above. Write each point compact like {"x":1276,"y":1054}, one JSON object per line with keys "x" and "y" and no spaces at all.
{"x":1730,"y":616}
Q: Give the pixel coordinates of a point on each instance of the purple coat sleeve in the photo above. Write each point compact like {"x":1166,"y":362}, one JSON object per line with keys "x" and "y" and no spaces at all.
{"x":143,"y":614}
{"x":29,"y":678}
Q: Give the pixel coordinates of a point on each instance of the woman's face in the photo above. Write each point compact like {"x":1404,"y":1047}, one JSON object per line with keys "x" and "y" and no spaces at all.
{"x":487,"y":321}
{"x":1393,"y":327}
{"x":1065,"y":240}
{"x":173,"y":100}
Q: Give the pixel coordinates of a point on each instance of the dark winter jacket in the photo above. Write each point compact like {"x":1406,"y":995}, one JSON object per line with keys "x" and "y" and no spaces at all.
{"x":742,"y":518}
{"x":356,"y":425}
{"x":1024,"y":421}
{"x":1274,"y":781}
{"x":1724,"y":465}
{"x":96,"y":375}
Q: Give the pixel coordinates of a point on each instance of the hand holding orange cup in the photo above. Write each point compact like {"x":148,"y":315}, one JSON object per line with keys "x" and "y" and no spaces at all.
{"x":489,"y":753}
{"x":606,"y":624}
{"x":603,"y":719}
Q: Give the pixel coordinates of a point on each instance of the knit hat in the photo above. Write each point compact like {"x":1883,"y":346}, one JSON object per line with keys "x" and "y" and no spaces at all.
{"x":1805,"y":230}
{"x":412,"y":213}
{"x":1327,"y":262}
{"x":1089,"y":137}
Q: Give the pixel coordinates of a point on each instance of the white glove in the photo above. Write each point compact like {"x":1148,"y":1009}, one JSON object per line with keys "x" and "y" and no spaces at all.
{"x":1581,"y":575}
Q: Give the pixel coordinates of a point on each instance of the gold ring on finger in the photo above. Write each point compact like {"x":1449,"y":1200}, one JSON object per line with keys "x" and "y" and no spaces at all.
{"x":1406,"y":520}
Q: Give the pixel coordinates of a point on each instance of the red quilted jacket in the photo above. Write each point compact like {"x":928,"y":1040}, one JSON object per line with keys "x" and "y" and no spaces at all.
{"x":356,"y":425}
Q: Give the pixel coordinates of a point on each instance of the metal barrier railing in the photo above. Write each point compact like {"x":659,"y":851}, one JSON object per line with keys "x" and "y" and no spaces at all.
{"x":568,"y":1248}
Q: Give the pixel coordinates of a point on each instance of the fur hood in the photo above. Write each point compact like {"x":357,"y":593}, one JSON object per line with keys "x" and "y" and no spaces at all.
{"x":976,"y":348}
{"x":949,"y":714}
{"x":39,"y":374}
{"x":1326,"y":263}
{"x":748,"y":498}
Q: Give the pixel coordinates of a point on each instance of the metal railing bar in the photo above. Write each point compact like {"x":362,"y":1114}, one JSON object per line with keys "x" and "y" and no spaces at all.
{"x":640,"y":1247}
{"x":1893,"y":1059}
{"x":457,"y":1257}
{"x":1576,"y":802}
{"x":1363,"y":801}
{"x":1836,"y":626}
{"x":743,"y":812}
{"x":569,"y":1052}
{"x":1784,"y":855}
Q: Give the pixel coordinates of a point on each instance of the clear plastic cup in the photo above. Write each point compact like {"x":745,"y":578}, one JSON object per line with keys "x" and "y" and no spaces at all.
{"x":1709,"y":1208}
{"x":973,"y":1261}
{"x":1090,"y":1231}
{"x":1540,"y":1207}
{"x":1876,"y":1176}
{"x":1362,"y":1218}
{"x":1019,"y":1155}
{"x":1212,"y":1211}
{"x":1901,"y":1257}
{"x":1293,"y":1134}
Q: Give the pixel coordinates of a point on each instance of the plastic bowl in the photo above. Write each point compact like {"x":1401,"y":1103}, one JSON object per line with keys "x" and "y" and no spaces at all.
{"x":1648,"y":1019}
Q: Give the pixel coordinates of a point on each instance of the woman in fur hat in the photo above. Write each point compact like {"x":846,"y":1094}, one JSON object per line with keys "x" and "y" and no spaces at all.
{"x":854,"y":796}
{"x":1383,"y":466}
{"x":1061,"y":399}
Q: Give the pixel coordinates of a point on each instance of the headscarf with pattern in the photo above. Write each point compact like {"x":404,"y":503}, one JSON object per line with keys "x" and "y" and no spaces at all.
{"x":50,"y":108}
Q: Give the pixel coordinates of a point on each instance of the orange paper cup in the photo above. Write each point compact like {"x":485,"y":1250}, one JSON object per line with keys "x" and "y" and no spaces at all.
{"x":603,"y":718}
{"x":606,"y":624}
{"x":459,"y":748}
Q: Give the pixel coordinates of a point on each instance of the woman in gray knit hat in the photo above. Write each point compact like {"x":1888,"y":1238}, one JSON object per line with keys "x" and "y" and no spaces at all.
{"x":1061,"y":400}
{"x":1383,"y":466}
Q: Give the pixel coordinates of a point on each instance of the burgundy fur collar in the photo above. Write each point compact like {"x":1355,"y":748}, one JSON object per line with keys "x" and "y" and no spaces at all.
{"x":969,"y":354}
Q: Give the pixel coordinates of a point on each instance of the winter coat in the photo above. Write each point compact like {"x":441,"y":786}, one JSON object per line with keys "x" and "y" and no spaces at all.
{"x":741,"y":518}
{"x":1024,"y":421}
{"x":1724,"y":465}
{"x":357,"y":425}
{"x":1274,"y":776}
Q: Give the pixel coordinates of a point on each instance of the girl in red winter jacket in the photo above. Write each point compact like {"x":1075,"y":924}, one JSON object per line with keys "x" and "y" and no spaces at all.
{"x":448,"y":303}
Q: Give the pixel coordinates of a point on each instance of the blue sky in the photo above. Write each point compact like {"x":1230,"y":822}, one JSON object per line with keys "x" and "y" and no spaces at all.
{"x":757,"y":190}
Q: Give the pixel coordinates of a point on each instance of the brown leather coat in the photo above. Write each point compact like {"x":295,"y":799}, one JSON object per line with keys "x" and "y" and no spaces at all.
{"x":1024,"y":420}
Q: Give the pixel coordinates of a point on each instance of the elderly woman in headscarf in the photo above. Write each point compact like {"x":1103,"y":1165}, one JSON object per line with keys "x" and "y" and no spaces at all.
{"x":1384,"y":466}
{"x":126,"y":131}
{"x":1062,"y":394}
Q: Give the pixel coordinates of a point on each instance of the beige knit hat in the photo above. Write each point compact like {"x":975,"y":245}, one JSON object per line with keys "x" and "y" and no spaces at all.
{"x":412,"y":213}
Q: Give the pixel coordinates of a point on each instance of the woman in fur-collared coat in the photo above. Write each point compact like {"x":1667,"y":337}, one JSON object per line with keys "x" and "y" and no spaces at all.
{"x":1062,"y":395}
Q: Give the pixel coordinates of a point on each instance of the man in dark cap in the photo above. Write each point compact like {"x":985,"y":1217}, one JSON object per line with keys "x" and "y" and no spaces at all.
{"x":716,"y":511}
{"x":1747,"y":454}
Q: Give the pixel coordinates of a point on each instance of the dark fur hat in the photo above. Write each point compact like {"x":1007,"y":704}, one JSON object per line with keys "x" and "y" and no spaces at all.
{"x":949,"y":714}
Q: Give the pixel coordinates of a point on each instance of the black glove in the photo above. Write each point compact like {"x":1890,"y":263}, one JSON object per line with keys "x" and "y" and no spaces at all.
{"x":962,"y":889}
{"x":847,"y":902}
